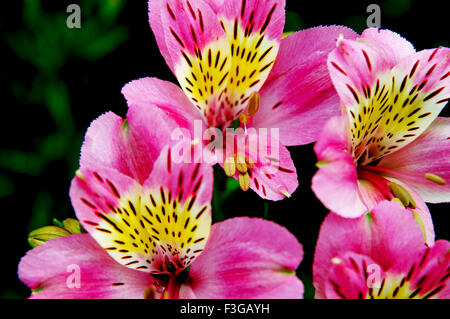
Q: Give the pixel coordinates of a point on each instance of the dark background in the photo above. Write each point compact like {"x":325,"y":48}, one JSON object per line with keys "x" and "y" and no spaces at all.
{"x":55,"y":81}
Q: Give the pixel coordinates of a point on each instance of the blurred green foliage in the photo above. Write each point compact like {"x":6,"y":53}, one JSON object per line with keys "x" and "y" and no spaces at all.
{"x":394,"y":8}
{"x":294,"y":22}
{"x":47,"y":45}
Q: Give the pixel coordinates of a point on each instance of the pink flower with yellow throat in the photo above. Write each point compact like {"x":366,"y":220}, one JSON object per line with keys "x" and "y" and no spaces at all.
{"x":148,"y":219}
{"x":233,"y":66}
{"x":389,"y":143}
{"x":379,"y":255}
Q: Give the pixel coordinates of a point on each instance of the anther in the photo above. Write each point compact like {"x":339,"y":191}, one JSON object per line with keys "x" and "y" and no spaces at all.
{"x":244,"y":181}
{"x":403,"y":195}
{"x":229,"y":166}
{"x":241,"y":165}
{"x":253,"y":104}
{"x":421,"y":225}
{"x":435,"y":178}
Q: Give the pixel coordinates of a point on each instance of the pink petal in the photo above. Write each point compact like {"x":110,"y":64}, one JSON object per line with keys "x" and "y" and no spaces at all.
{"x":390,"y":45}
{"x":421,"y":89}
{"x":348,"y":275}
{"x":107,"y":204}
{"x":155,"y":21}
{"x":357,"y":276}
{"x":429,"y":274}
{"x":241,"y":260}
{"x":354,"y":65}
{"x":182,"y":26}
{"x":307,"y":45}
{"x":370,"y":193}
{"x":389,"y":235}
{"x":388,"y":107}
{"x":104,"y":144}
{"x":427,"y":154}
{"x":177,"y":202}
{"x":182,"y":179}
{"x":264,"y":16}
{"x":50,"y":271}
{"x":129,"y":146}
{"x":298,"y":97}
{"x":336,"y":181}
{"x":144,"y":94}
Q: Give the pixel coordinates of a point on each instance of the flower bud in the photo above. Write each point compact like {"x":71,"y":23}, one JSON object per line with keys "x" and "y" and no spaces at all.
{"x":41,"y":235}
{"x":72,"y":225}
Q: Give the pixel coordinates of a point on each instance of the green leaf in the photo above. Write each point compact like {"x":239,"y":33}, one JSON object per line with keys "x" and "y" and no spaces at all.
{"x":104,"y":44}
{"x":110,"y":9}
{"x":58,"y":104}
{"x":21,"y":162}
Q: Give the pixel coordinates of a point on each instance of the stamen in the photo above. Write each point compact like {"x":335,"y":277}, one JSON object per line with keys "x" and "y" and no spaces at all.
{"x":240,"y":163}
{"x":244,"y":181}
{"x":229,"y":167}
{"x":253,"y":104}
{"x":421,"y":225}
{"x":435,"y":178}
{"x":402,"y":194}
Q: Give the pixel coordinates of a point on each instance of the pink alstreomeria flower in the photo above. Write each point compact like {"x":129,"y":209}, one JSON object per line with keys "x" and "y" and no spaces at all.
{"x":149,"y":221}
{"x":389,"y":144}
{"x":231,"y":64}
{"x":379,"y":255}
